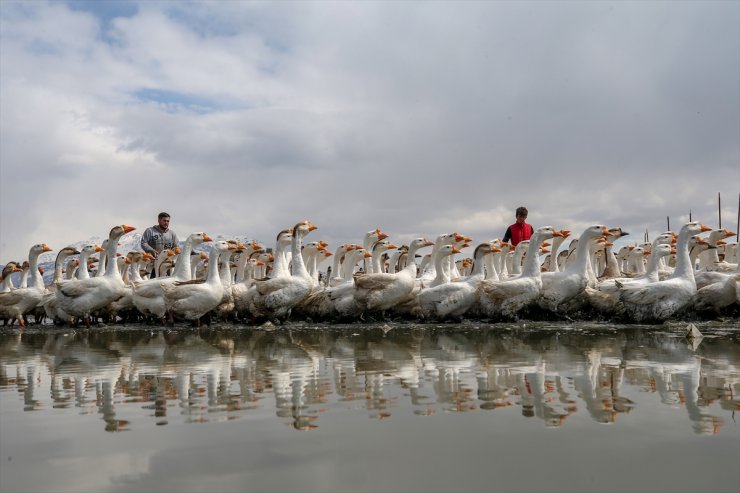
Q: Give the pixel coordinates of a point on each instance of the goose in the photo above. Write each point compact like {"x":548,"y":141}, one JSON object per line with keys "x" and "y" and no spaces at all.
{"x":651,"y":272}
{"x":195,"y":262}
{"x":718,"y":295}
{"x":378,"y":249}
{"x":709,"y":260}
{"x":147,"y":295}
{"x":454,"y":299}
{"x":281,"y":265}
{"x":193,"y":299}
{"x":552,"y":265}
{"x":605,"y":296}
{"x":16,"y":303}
{"x":80,"y":298}
{"x":338,"y":300}
{"x":25,"y":270}
{"x":49,"y":302}
{"x":430,"y":273}
{"x":368,"y":240}
{"x":85,"y":253}
{"x":381,"y":291}
{"x":658,"y":301}
{"x":560,"y":287}
{"x":339,"y":256}
{"x":7,"y":279}
{"x":507,"y":297}
{"x":71,"y":269}
{"x":275,"y":297}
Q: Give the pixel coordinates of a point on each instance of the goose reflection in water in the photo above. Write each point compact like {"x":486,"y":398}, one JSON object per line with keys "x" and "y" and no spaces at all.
{"x":214,"y":375}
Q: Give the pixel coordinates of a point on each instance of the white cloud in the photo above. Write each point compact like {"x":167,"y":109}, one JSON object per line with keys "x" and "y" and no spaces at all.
{"x":409,"y":117}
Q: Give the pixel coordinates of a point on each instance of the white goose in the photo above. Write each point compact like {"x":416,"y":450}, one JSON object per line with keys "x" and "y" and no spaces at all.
{"x":147,"y":295}
{"x":381,"y":291}
{"x":193,"y":299}
{"x":276,"y":297}
{"x":85,"y":253}
{"x":7,"y":276}
{"x":454,"y":299}
{"x":16,"y":303}
{"x":80,"y":298}
{"x":560,"y":287}
{"x":660,"y":300}
{"x":50,"y":304}
{"x":509,"y":296}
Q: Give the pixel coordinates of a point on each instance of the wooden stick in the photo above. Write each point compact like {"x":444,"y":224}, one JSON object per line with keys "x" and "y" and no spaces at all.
{"x":719,"y":208}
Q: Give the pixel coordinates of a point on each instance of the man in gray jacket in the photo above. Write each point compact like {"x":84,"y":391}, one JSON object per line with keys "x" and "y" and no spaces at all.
{"x":159,"y":237}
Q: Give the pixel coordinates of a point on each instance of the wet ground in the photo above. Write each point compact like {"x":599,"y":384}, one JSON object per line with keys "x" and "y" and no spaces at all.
{"x":375,"y":407}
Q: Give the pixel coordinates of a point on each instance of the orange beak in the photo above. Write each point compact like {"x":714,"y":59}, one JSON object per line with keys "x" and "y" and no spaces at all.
{"x":381,"y":235}
{"x":705,"y":228}
{"x":206,"y":237}
{"x":127,"y":228}
{"x":456,"y":250}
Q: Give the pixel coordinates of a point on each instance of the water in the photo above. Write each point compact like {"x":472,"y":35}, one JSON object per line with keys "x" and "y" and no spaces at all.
{"x":507,"y":407}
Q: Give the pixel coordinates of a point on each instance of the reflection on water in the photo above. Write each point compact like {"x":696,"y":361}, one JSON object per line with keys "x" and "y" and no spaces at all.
{"x":301,"y":373}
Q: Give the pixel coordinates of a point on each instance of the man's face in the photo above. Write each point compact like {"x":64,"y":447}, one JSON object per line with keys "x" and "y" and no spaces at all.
{"x":520,"y":218}
{"x":164,"y":222}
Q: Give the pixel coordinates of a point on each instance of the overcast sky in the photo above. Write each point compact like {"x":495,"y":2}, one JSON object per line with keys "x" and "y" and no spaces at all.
{"x":242,"y":118}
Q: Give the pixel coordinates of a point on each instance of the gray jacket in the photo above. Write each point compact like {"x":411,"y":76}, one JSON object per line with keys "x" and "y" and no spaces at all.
{"x":154,"y":240}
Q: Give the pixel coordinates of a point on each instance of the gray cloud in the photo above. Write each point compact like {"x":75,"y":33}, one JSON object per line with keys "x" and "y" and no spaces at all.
{"x":242,"y":118}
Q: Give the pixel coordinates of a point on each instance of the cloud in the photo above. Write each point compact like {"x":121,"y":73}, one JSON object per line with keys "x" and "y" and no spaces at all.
{"x":243,"y":118}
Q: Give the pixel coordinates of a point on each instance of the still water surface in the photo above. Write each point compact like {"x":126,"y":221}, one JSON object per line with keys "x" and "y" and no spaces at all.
{"x":506,"y":407}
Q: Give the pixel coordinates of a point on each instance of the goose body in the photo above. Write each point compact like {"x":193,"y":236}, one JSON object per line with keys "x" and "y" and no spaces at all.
{"x":147,"y":295}
{"x":81,"y":297}
{"x":657,"y":301}
{"x":276,"y":297}
{"x":454,"y":299}
{"x":193,"y":299}
{"x":381,"y":291}
{"x":560,"y":287}
{"x":17,"y":302}
{"x":508,"y":296}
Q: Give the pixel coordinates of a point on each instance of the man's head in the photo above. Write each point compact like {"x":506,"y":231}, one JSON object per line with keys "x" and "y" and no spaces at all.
{"x":164,"y":220}
{"x":521,"y":214}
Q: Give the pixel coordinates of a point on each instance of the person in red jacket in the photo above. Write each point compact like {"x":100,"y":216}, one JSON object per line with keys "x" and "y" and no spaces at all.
{"x":520,"y":230}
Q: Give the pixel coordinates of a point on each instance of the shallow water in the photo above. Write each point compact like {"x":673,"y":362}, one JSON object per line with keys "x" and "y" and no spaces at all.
{"x":398,"y":407}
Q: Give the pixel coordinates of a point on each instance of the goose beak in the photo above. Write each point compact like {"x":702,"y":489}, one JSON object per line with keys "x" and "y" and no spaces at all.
{"x":46,"y":248}
{"x":311,"y":226}
{"x":98,"y":248}
{"x":605,"y":232}
{"x":367,"y":255}
{"x":127,"y":228}
{"x":456,"y":250}
{"x":392,"y":246}
{"x":705,"y":228}
{"x":381,"y":235}
{"x":206,"y":237}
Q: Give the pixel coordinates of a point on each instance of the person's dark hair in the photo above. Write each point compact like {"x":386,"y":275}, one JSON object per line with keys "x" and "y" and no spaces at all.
{"x":522,"y":211}
{"x":164,"y":214}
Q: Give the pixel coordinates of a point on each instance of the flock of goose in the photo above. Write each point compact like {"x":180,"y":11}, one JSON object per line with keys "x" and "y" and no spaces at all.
{"x":650,"y":282}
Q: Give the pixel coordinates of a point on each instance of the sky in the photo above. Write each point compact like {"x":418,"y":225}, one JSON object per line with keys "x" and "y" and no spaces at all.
{"x":420,"y":118}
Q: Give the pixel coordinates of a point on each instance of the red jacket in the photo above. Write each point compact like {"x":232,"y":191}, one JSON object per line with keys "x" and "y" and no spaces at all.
{"x":517,"y":233}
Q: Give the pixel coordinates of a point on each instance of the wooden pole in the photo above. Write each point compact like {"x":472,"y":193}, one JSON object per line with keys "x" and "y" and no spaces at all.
{"x":719,"y":208}
{"x":668,"y":220}
{"x":689,"y":215}
{"x":738,"y":220}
